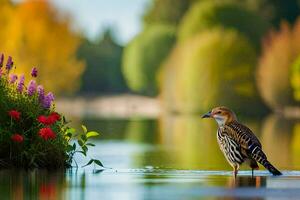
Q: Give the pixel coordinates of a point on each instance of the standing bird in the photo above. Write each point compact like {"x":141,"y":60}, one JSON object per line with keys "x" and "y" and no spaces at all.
{"x":237,"y":142}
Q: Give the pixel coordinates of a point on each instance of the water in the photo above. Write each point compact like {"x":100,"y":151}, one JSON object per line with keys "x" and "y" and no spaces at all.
{"x":175,"y":157}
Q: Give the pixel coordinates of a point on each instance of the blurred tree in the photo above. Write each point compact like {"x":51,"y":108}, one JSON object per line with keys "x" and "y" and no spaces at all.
{"x":103,"y":65}
{"x":36,"y":35}
{"x":209,"y":14}
{"x":274,"y":11}
{"x":281,"y":10}
{"x":144,"y":55}
{"x":295,"y":78}
{"x":168,"y":12}
{"x":215,"y":67}
{"x":274,"y":71}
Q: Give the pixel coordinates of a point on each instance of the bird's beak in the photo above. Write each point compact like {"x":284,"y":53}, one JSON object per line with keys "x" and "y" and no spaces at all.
{"x":207,"y":115}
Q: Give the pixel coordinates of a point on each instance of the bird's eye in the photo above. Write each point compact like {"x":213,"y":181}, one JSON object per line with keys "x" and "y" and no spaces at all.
{"x":219,"y":112}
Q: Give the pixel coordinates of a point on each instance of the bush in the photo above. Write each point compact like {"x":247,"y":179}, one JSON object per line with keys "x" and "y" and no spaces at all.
{"x":210,"y":14}
{"x":280,"y":51}
{"x":33,"y":134}
{"x":213,"y":68}
{"x":143,"y":57}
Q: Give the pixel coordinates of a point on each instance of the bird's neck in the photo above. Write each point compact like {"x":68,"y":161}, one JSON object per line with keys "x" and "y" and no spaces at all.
{"x":224,"y":121}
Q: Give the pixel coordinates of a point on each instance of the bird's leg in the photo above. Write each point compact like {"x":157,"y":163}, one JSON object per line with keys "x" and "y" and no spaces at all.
{"x":235,"y":171}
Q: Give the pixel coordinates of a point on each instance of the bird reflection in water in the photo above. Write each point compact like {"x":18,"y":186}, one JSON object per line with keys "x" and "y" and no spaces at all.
{"x":247,"y":181}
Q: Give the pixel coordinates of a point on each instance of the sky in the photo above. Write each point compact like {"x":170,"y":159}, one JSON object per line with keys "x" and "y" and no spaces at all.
{"x":93,"y":16}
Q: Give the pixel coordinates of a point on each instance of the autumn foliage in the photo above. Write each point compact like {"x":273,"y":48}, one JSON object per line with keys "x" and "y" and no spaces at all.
{"x":33,"y":33}
{"x":274,"y":74}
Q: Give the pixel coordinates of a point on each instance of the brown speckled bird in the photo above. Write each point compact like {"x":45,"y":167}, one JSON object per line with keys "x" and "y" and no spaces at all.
{"x":237,"y":142}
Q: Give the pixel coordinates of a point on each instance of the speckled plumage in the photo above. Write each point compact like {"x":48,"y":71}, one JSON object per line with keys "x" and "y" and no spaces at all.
{"x":238,"y":143}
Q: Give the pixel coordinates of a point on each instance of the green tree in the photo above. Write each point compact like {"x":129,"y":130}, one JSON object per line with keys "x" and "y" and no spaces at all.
{"x":215,"y":67}
{"x":166,"y":12}
{"x":144,"y":55}
{"x":209,"y":14}
{"x":103,"y":65}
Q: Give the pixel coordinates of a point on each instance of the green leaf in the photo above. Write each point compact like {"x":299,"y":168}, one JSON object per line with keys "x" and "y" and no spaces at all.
{"x":68,"y":135}
{"x":83,"y":137}
{"x":71,"y":130}
{"x":84,"y":148}
{"x":80,"y":142}
{"x":70,"y":148}
{"x":84,"y":128}
{"x":90,"y":144}
{"x":90,"y":162}
{"x":83,"y":152}
{"x":98,"y":162}
{"x":92,"y":134}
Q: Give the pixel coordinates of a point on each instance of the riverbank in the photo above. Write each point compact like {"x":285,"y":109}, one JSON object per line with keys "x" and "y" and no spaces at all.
{"x":118,"y":106}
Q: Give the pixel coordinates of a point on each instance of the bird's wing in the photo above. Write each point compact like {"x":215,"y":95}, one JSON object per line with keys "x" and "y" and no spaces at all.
{"x":250,"y":145}
{"x":243,"y":135}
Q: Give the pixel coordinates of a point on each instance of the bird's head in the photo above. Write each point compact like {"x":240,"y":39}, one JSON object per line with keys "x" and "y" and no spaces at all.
{"x":222,"y":115}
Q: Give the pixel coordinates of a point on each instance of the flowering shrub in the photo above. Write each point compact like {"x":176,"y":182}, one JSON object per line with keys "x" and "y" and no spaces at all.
{"x":32,"y":134}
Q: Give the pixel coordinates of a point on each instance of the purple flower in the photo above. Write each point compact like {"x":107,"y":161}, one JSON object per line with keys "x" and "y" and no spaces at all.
{"x":34,"y":72}
{"x":48,"y":100}
{"x":1,"y":60}
{"x":9,"y":63}
{"x":13,"y":78}
{"x":21,"y":83}
{"x":41,"y":93}
{"x":31,"y":88}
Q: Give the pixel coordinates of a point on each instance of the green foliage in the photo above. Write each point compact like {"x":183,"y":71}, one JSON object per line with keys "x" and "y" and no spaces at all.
{"x":81,"y":141}
{"x":215,"y":67}
{"x":209,"y":14}
{"x":275,"y":67}
{"x":103,"y":66}
{"x":143,"y":57}
{"x":167,"y":12}
{"x":295,"y":79}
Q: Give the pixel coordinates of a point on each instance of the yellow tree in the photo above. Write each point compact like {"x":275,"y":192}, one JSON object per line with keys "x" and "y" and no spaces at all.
{"x":35,"y":34}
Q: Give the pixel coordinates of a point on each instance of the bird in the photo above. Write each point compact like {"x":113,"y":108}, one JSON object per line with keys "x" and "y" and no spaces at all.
{"x":237,"y":142}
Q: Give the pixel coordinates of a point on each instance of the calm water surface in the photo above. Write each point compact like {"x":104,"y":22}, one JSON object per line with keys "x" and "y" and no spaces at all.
{"x":175,"y":157}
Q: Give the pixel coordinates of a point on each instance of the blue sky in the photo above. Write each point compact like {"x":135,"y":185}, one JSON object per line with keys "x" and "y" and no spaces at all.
{"x":92,"y":16}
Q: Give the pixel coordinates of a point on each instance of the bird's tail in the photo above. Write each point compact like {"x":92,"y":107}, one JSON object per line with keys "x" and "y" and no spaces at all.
{"x":260,"y":157}
{"x":271,"y":168}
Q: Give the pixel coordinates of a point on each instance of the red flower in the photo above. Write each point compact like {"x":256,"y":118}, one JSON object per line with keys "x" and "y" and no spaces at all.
{"x":43,"y":119}
{"x":14,"y":114}
{"x":47,"y":133}
{"x":51,"y":119}
{"x":17,"y":138}
{"x":55,"y":116}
